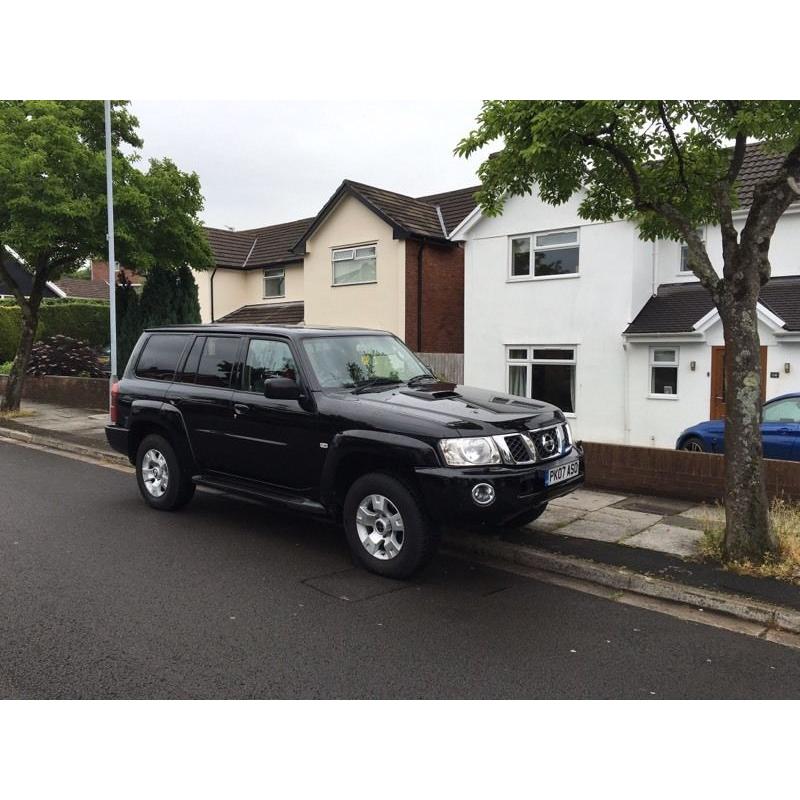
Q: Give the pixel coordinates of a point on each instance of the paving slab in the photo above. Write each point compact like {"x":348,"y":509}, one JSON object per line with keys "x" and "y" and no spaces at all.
{"x":705,"y":513}
{"x":592,"y":529}
{"x":685,"y":522}
{"x":629,"y":521}
{"x":670,"y":539}
{"x":587,"y":500}
{"x":555,"y":517}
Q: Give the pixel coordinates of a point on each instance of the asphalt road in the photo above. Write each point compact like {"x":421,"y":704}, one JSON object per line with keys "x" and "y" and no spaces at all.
{"x":101,"y":597}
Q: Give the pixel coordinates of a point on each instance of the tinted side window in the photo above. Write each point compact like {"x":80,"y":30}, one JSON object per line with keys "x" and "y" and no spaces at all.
{"x":160,"y":356}
{"x":187,"y":374}
{"x":217,"y":360}
{"x":267,"y":358}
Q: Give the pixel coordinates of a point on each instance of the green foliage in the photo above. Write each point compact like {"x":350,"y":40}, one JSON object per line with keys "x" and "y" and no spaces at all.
{"x":630,"y":159}
{"x":53,"y":192}
{"x":5,"y":367}
{"x":86,"y":320}
{"x":63,"y":355}
{"x":169,"y":297}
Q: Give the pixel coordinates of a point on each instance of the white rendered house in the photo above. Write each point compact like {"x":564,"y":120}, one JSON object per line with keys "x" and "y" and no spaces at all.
{"x":615,"y":330}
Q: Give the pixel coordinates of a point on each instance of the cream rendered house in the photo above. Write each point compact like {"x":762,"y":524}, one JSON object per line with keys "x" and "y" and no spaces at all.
{"x":370,"y":258}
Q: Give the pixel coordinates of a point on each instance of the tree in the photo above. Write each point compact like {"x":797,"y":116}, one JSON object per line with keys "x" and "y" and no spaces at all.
{"x":670,"y":166}
{"x":169,"y":297}
{"x":53,"y":203}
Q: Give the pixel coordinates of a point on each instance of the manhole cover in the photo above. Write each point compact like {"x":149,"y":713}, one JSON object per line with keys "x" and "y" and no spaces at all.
{"x":354,"y":584}
{"x":654,"y":505}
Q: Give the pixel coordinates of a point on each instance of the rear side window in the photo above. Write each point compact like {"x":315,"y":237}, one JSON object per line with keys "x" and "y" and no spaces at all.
{"x":187,"y":374}
{"x":160,"y":356}
{"x":217,"y":360}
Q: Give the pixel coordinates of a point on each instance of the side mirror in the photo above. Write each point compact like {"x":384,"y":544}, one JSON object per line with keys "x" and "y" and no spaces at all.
{"x":282,"y":389}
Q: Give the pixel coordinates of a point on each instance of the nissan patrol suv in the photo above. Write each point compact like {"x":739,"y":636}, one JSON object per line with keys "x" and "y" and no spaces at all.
{"x":343,"y":423}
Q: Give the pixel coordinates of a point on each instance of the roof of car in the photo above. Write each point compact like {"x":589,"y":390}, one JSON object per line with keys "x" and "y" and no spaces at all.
{"x":294,"y":331}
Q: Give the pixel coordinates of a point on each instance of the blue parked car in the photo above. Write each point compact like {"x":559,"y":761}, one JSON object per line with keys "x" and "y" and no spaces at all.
{"x":780,"y":431}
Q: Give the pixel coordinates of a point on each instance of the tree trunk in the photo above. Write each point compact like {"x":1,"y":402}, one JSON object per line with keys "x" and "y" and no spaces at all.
{"x":748,"y":534}
{"x":16,"y":379}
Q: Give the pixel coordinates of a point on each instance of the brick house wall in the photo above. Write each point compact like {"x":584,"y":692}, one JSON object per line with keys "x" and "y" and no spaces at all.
{"x":100,"y":272}
{"x":442,"y":298}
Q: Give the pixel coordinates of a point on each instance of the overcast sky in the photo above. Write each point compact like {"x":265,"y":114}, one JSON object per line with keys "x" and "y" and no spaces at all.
{"x":265,"y":162}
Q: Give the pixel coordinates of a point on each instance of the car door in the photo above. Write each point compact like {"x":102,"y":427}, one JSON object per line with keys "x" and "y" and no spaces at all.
{"x":780,"y":429}
{"x":203,"y":394}
{"x":278,"y":442}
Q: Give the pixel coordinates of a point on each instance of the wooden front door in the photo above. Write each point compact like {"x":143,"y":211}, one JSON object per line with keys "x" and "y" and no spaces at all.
{"x":718,"y":381}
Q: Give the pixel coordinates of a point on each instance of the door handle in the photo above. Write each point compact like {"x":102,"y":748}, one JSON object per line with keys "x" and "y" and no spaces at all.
{"x":240,"y":408}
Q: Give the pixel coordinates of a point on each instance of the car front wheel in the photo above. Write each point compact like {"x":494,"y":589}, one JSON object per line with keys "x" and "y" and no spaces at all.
{"x":164,"y":482}
{"x":386,"y":527}
{"x":694,"y":444}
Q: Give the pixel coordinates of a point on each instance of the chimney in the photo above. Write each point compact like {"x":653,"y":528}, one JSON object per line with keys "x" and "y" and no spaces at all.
{"x":100,"y":270}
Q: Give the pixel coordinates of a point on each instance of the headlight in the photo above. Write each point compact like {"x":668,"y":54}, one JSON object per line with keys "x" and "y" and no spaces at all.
{"x":470,"y":452}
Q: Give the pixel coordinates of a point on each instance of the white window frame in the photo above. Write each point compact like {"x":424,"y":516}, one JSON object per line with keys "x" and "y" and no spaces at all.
{"x":652,"y":395}
{"x":352,"y":249}
{"x":683,"y":253}
{"x":534,"y":248}
{"x":273,"y":272}
{"x":530,"y":360}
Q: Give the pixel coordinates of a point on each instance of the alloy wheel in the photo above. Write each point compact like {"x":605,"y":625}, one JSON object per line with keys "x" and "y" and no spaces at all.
{"x":155,"y":472}
{"x":380,"y":527}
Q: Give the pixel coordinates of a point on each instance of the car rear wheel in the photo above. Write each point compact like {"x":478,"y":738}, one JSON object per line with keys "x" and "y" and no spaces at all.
{"x":164,"y":482}
{"x":386,"y":527}
{"x":694,"y":444}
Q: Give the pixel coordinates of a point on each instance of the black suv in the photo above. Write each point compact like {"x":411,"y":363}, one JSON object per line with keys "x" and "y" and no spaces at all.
{"x":344,"y":423}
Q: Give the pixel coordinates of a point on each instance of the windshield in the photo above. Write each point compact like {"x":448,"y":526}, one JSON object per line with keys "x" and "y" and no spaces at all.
{"x":343,"y":362}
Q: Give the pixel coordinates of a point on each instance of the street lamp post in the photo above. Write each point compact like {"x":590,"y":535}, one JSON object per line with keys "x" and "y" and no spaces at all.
{"x":112,"y":264}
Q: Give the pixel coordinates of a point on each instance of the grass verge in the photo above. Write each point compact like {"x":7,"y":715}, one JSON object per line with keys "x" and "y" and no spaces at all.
{"x":784,"y":564}
{"x":4,"y":415}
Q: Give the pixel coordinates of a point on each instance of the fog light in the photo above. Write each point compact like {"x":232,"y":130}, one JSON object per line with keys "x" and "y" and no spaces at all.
{"x":483,"y":494}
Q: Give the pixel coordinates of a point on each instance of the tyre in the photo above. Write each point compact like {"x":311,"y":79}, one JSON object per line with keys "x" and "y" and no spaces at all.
{"x":386,"y":526}
{"x":527,"y":517}
{"x":694,"y":444}
{"x":164,"y":481}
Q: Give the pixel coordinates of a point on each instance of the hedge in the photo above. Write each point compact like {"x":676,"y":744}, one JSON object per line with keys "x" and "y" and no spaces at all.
{"x":86,"y":320}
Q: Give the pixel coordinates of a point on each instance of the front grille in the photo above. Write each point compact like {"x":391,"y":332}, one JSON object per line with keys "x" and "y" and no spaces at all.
{"x":549,"y":443}
{"x":516,"y":446}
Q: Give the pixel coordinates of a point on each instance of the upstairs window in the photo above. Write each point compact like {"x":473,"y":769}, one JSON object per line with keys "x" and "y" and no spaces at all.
{"x":545,"y":255}
{"x":685,"y":251}
{"x":274,"y":282}
{"x":354,"y":265}
{"x":664,"y":370}
{"x":543,"y":373}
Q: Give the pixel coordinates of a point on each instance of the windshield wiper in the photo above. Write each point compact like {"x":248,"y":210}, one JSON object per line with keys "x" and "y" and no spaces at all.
{"x":425,"y":376}
{"x":369,"y":383}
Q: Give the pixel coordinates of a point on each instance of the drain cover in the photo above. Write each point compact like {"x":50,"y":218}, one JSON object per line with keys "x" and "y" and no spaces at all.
{"x":654,"y":505}
{"x":354,"y":584}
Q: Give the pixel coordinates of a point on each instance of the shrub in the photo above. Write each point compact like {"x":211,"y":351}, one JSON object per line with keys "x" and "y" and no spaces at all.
{"x":62,"y":355}
{"x":86,"y":320}
{"x":5,"y":368}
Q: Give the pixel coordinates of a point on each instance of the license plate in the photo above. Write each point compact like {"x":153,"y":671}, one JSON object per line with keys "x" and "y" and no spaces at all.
{"x":562,"y":473}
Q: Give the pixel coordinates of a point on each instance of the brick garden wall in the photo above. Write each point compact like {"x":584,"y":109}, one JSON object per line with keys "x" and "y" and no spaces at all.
{"x":674,"y":473}
{"x":442,"y":298}
{"x":64,"y":391}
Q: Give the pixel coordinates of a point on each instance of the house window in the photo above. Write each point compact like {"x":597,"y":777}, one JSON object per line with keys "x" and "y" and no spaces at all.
{"x":274,"y":282}
{"x":664,"y":370}
{"x":685,"y":251}
{"x":543,"y":373}
{"x":545,"y":255}
{"x":354,"y":265}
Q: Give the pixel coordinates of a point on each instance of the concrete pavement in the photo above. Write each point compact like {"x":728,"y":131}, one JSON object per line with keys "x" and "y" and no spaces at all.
{"x":103,"y":597}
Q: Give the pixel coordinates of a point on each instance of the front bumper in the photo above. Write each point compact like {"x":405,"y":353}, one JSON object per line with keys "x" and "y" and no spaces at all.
{"x":447,"y":491}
